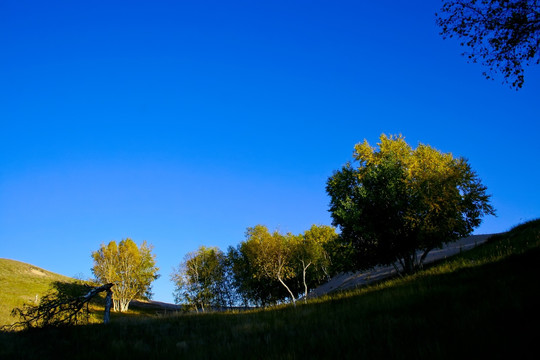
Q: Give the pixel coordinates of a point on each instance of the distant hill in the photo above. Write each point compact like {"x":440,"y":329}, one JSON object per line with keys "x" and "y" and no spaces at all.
{"x":20,"y":283}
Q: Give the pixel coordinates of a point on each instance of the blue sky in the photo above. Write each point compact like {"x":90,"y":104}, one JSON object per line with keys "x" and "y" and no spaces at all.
{"x":184,"y":122}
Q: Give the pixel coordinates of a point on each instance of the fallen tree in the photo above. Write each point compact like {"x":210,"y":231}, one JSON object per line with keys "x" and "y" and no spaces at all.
{"x":59,"y":308}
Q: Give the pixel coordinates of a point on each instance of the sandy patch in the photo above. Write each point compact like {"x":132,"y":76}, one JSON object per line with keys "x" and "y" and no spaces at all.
{"x":37,"y":272}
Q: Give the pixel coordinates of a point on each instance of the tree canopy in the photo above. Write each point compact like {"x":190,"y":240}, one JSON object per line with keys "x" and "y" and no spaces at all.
{"x":130,"y":268}
{"x":271,"y":254}
{"x":201,"y":279}
{"x":266,"y":268}
{"x":311,"y":256}
{"x":397,"y":201}
{"x":503,"y":35}
{"x":270,"y":267}
{"x":252,"y":289}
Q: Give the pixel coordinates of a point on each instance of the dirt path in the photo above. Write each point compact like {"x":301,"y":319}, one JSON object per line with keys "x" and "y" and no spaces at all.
{"x":355,"y":279}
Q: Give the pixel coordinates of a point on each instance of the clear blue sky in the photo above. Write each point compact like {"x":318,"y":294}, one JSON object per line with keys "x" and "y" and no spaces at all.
{"x":184,"y":122}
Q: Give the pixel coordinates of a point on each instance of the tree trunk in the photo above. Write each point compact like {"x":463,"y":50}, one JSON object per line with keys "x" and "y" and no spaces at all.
{"x":397,"y":269}
{"x":124,"y":305}
{"x":408,"y":264}
{"x":304,"y":268}
{"x":289,"y":290}
{"x":108,"y":301}
{"x":423,"y":257}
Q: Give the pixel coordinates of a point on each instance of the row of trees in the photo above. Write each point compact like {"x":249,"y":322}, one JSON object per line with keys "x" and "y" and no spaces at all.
{"x":393,"y":205}
{"x":266,"y":268}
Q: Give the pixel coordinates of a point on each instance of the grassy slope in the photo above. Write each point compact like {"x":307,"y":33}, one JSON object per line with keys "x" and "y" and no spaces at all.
{"x":20,"y":283}
{"x":483,"y":303}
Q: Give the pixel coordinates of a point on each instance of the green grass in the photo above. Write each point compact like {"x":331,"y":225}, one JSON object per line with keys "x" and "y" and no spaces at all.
{"x":479,"y":304}
{"x":23,"y":283}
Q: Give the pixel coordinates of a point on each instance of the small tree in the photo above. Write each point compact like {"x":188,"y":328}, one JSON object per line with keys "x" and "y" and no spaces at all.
{"x":201,"y":279}
{"x":503,"y":35}
{"x":131,"y":269}
{"x":398,"y":201}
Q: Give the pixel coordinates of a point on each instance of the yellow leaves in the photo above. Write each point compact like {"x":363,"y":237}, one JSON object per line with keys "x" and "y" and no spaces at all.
{"x":427,"y":160}
{"x":131,"y":268}
{"x":112,"y":248}
{"x":398,"y":199}
{"x":363,"y":152}
{"x":270,"y":252}
{"x":430,"y":176}
{"x":395,"y":146}
{"x":389,"y":146}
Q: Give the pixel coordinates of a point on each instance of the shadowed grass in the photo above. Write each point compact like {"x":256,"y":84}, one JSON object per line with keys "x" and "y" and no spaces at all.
{"x":478,"y":304}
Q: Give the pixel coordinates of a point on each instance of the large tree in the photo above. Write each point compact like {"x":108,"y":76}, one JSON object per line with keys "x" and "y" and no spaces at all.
{"x":130,"y":268}
{"x":395,"y":204}
{"x":503,"y":35}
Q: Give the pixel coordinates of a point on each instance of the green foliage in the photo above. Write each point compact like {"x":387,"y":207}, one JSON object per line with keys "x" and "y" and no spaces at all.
{"x":252,"y":290}
{"x":269,"y":268}
{"x":479,"y":304}
{"x":202,"y":279}
{"x":130,"y":268}
{"x":503,"y":35}
{"x":342,"y":256}
{"x":310,"y":256}
{"x":399,"y":201}
{"x":271,"y":256}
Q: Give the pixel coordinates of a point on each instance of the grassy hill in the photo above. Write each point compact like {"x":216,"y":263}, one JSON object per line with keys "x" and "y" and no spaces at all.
{"x":25,"y":283}
{"x":22,"y":283}
{"x":480,"y":304}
